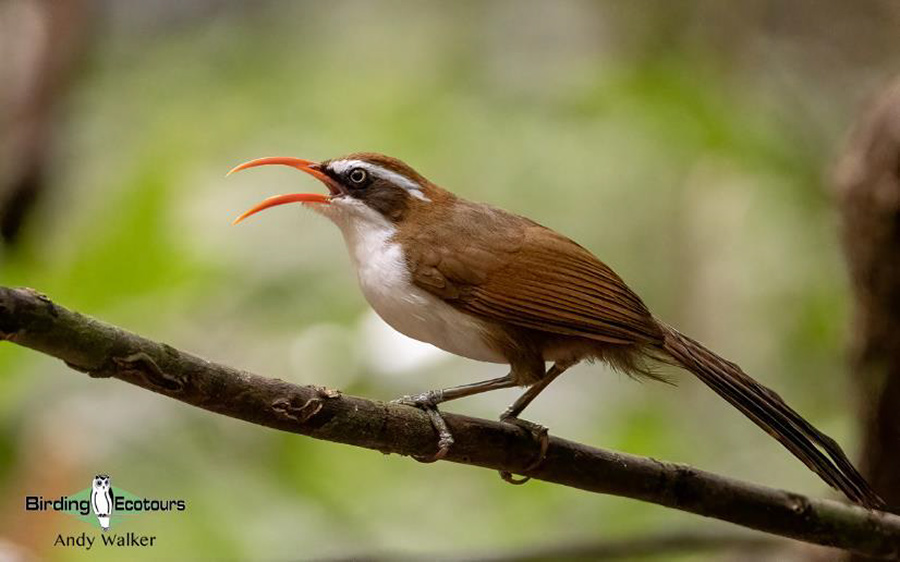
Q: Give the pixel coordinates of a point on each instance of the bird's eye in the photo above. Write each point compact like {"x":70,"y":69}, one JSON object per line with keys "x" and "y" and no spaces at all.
{"x":358,"y":176}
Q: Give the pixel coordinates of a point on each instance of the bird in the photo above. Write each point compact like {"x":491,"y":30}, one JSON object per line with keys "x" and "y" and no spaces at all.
{"x":493,"y":286}
{"x":102,"y":500}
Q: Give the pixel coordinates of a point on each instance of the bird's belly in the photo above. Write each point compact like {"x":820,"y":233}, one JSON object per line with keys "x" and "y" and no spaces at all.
{"x":416,"y":313}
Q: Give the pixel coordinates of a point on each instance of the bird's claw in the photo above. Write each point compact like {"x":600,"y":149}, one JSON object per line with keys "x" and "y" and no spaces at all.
{"x":428,"y":402}
{"x":540,"y":433}
{"x":445,"y":438}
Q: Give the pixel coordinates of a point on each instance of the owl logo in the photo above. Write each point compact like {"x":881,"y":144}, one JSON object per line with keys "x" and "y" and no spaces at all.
{"x":102,"y":499}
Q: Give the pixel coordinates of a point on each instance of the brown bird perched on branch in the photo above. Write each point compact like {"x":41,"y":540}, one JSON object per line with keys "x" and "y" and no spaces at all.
{"x":490,"y":285}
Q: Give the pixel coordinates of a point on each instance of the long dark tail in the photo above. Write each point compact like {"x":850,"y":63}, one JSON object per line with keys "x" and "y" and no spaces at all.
{"x":768,"y":411}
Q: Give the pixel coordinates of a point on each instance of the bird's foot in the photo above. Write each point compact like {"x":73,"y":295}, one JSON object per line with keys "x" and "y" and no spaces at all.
{"x":540,"y":433}
{"x":427,"y":399}
{"x":428,"y":402}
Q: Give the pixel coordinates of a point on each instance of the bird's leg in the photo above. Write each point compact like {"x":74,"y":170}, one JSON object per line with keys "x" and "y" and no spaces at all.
{"x":435,"y":397}
{"x":430,"y":399}
{"x":511,"y":416}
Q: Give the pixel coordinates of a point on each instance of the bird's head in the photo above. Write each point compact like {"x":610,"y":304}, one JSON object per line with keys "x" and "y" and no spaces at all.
{"x":362,"y":187}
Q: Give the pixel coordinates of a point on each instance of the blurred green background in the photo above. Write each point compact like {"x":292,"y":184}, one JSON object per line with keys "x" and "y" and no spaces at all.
{"x":687,"y":143}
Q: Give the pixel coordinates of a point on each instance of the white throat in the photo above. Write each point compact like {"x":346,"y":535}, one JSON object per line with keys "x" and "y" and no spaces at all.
{"x":384,"y":279}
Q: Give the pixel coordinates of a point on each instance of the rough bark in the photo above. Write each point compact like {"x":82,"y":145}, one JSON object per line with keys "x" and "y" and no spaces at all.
{"x":32,"y":320}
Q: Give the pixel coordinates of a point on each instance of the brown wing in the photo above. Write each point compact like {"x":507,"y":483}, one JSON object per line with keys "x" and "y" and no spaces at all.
{"x":507,"y":268}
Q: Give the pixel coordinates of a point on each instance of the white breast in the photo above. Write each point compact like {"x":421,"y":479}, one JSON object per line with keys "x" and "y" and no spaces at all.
{"x":385,"y":281}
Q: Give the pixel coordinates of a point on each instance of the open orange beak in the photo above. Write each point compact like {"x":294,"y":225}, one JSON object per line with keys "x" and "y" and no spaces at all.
{"x":308,"y":166}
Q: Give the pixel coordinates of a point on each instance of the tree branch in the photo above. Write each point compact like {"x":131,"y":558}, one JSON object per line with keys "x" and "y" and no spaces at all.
{"x":30,"y":319}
